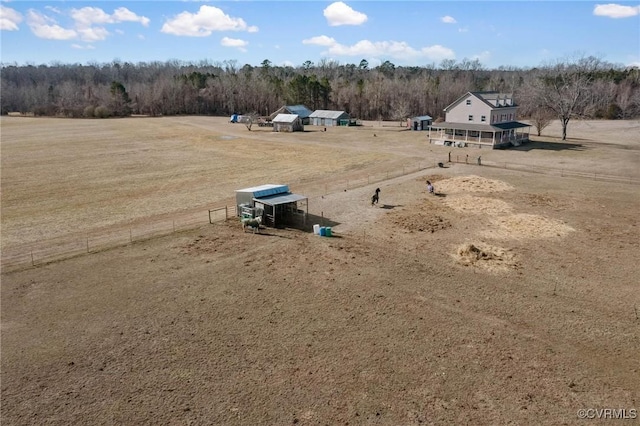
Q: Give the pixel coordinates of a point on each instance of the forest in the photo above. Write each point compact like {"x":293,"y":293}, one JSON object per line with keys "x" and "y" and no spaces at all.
{"x":583,"y":87}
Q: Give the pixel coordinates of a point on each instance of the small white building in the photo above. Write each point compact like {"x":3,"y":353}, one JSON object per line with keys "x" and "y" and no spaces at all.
{"x":287,"y":123}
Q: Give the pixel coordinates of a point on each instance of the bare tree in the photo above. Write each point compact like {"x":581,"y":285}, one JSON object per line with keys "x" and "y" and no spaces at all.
{"x":541,"y":118}
{"x":400,"y":109}
{"x":564,"y":88}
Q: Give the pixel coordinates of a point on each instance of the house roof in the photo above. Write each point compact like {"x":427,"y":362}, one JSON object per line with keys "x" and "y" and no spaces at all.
{"x":481,"y":127}
{"x":489,"y":98}
{"x":321,"y":113}
{"x":285,"y":118}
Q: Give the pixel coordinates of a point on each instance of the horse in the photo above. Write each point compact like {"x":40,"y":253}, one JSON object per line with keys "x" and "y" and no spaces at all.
{"x":375,"y":198}
{"x":252,"y":223}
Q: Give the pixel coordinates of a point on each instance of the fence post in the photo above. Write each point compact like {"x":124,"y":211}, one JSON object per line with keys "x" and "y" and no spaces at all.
{"x":130,"y":235}
{"x":174,"y":226}
{"x":87,"y":244}
{"x":32,"y":263}
{"x":226,"y":212}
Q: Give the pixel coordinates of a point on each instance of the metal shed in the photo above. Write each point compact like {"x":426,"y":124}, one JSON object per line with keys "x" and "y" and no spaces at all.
{"x":275,"y":203}
{"x":328,"y":118}
{"x":421,"y":122}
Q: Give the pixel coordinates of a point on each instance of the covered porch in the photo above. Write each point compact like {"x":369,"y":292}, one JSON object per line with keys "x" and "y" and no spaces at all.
{"x":499,"y":135}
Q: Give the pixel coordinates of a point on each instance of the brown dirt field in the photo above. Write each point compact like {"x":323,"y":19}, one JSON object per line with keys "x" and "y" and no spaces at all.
{"x":420,"y":310}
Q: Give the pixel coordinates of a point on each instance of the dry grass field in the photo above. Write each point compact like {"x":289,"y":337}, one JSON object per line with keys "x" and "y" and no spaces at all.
{"x":510,"y":297}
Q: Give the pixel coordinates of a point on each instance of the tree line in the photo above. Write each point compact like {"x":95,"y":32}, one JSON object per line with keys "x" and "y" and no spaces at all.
{"x":565,"y":89}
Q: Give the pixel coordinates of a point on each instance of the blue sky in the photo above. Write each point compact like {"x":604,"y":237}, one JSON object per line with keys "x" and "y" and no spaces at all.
{"x":410,"y":33}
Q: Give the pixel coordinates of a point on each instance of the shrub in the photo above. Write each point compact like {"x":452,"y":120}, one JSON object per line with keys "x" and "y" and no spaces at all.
{"x":102,"y":112}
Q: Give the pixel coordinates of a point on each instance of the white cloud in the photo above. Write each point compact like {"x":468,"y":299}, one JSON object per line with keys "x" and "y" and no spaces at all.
{"x":339,"y":13}
{"x":483,"y":56}
{"x":234,"y":42}
{"x":53,"y":9}
{"x":88,"y":16}
{"x":322,"y":40}
{"x":93,"y":33}
{"x":9,"y":19}
{"x":448,"y":20}
{"x":616,"y":10}
{"x":81,"y":47}
{"x":392,"y":49}
{"x":201,"y":24}
{"x":122,"y":14}
{"x":463,"y":30}
{"x":85,"y":20}
{"x":44,"y":27}
{"x":438,"y":53}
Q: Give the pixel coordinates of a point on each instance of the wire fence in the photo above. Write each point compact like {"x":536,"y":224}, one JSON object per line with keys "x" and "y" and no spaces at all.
{"x":545,"y":170}
{"x":53,"y":250}
{"x":41,"y":253}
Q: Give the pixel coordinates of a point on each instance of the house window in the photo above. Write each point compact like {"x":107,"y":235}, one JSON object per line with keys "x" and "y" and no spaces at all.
{"x":471,"y":118}
{"x":483,"y":118}
{"x":468,"y":101}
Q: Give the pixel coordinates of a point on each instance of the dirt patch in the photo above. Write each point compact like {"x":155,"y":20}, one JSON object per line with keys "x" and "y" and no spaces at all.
{"x":419,"y":222}
{"x":471,"y":184}
{"x":530,"y":226}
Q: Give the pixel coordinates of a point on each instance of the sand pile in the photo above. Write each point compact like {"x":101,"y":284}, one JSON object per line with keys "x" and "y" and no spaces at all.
{"x":485,"y":256}
{"x":471,"y":183}
{"x":477,"y":205}
{"x":524,"y":225}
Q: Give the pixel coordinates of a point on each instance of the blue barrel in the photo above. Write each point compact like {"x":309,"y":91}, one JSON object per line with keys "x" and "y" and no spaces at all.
{"x":323,"y":231}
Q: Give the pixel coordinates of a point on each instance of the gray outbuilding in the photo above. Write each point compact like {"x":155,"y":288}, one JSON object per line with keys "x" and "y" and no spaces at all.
{"x":329,"y":118}
{"x":421,"y":122}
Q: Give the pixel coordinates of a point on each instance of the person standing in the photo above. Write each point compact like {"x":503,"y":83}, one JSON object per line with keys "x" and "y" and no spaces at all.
{"x":430,"y":188}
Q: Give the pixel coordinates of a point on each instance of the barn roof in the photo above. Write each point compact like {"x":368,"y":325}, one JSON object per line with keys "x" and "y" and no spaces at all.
{"x":300,"y":110}
{"x":265,"y":190}
{"x":321,"y":113}
{"x":274,"y":200}
{"x":422,"y":118}
{"x":285,"y":118}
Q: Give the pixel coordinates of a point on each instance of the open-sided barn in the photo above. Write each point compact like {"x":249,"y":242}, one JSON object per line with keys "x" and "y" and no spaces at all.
{"x":274,"y":203}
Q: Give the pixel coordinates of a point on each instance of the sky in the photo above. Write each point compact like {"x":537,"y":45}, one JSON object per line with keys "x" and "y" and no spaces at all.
{"x":515,"y":33}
